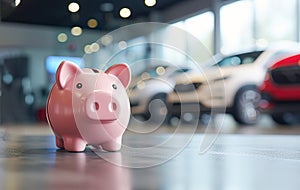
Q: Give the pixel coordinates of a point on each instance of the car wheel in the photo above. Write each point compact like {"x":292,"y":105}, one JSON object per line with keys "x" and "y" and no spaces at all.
{"x":286,"y":118}
{"x":245,"y":109}
{"x":157,"y":109}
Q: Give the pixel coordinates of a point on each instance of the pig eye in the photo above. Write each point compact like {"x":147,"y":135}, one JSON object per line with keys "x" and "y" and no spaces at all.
{"x":78,"y":85}
{"x":114,"y":86}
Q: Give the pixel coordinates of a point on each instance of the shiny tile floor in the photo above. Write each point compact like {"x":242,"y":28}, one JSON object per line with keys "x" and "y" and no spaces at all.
{"x":168,"y":158}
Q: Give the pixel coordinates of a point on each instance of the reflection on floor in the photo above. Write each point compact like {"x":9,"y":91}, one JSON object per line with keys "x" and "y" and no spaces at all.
{"x":156,"y":157}
{"x":222,"y":124}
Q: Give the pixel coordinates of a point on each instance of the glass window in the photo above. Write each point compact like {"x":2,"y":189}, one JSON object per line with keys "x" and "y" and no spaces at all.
{"x":198,"y":39}
{"x":179,"y":24}
{"x":276,"y":19}
{"x":202,"y":26}
{"x":248,"y":22}
{"x":236,"y":26}
{"x":173,"y":44}
{"x":230,"y":61}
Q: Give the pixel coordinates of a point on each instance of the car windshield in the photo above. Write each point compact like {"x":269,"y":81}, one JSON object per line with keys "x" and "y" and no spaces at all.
{"x":179,"y":71}
{"x":239,"y":59}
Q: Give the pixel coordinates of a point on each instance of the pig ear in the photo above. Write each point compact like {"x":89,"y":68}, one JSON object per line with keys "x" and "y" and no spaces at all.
{"x":66,"y":72}
{"x":122,"y":71}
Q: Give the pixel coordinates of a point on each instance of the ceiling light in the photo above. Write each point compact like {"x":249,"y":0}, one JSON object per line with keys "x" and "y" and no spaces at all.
{"x":17,"y":2}
{"x":150,"y":3}
{"x":62,"y":37}
{"x":76,"y":31}
{"x":107,"y":7}
{"x":73,"y":7}
{"x":125,"y":12}
{"x":92,"y":23}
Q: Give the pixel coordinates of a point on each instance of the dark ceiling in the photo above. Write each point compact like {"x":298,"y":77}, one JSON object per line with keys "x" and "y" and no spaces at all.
{"x":55,"y":12}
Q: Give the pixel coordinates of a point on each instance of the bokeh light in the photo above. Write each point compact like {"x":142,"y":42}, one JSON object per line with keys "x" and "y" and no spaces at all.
{"x":150,"y":3}
{"x":76,"y":31}
{"x":92,"y":23}
{"x":73,"y":7}
{"x":62,"y":37}
{"x":125,"y":12}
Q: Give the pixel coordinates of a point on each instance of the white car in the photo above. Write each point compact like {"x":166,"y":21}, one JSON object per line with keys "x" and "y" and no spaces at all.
{"x":228,"y":86}
{"x":148,"y":91}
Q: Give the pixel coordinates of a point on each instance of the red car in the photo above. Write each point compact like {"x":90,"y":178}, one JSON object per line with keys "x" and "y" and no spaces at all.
{"x":280,"y":91}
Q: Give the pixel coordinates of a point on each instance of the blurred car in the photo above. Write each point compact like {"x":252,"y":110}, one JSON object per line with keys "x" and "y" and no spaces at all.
{"x":230,"y":85}
{"x":147,"y":92}
{"x":280,"y":91}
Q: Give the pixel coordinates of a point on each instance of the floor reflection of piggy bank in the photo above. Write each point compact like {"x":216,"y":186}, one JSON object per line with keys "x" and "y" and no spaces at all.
{"x":87,"y":171}
{"x":89,"y":106}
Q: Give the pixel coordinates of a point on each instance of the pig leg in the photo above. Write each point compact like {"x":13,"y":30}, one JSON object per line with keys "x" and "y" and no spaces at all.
{"x":112,"y":145}
{"x":74,"y":144}
{"x":59,"y":142}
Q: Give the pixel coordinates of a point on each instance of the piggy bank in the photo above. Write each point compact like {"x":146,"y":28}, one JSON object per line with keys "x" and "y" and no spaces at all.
{"x":89,"y":107}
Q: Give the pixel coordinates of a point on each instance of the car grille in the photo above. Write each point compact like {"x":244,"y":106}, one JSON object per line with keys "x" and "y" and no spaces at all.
{"x":286,"y":75}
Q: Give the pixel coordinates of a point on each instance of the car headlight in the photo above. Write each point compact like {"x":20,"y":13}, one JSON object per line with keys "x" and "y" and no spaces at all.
{"x":187,"y":87}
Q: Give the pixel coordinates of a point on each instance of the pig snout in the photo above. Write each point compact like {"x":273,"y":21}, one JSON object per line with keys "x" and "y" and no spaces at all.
{"x":102,"y":106}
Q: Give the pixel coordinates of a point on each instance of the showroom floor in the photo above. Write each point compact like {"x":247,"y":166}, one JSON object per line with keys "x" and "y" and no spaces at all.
{"x":265,"y":156}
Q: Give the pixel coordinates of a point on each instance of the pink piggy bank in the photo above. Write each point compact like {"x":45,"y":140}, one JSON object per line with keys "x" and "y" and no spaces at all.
{"x":89,"y":106}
